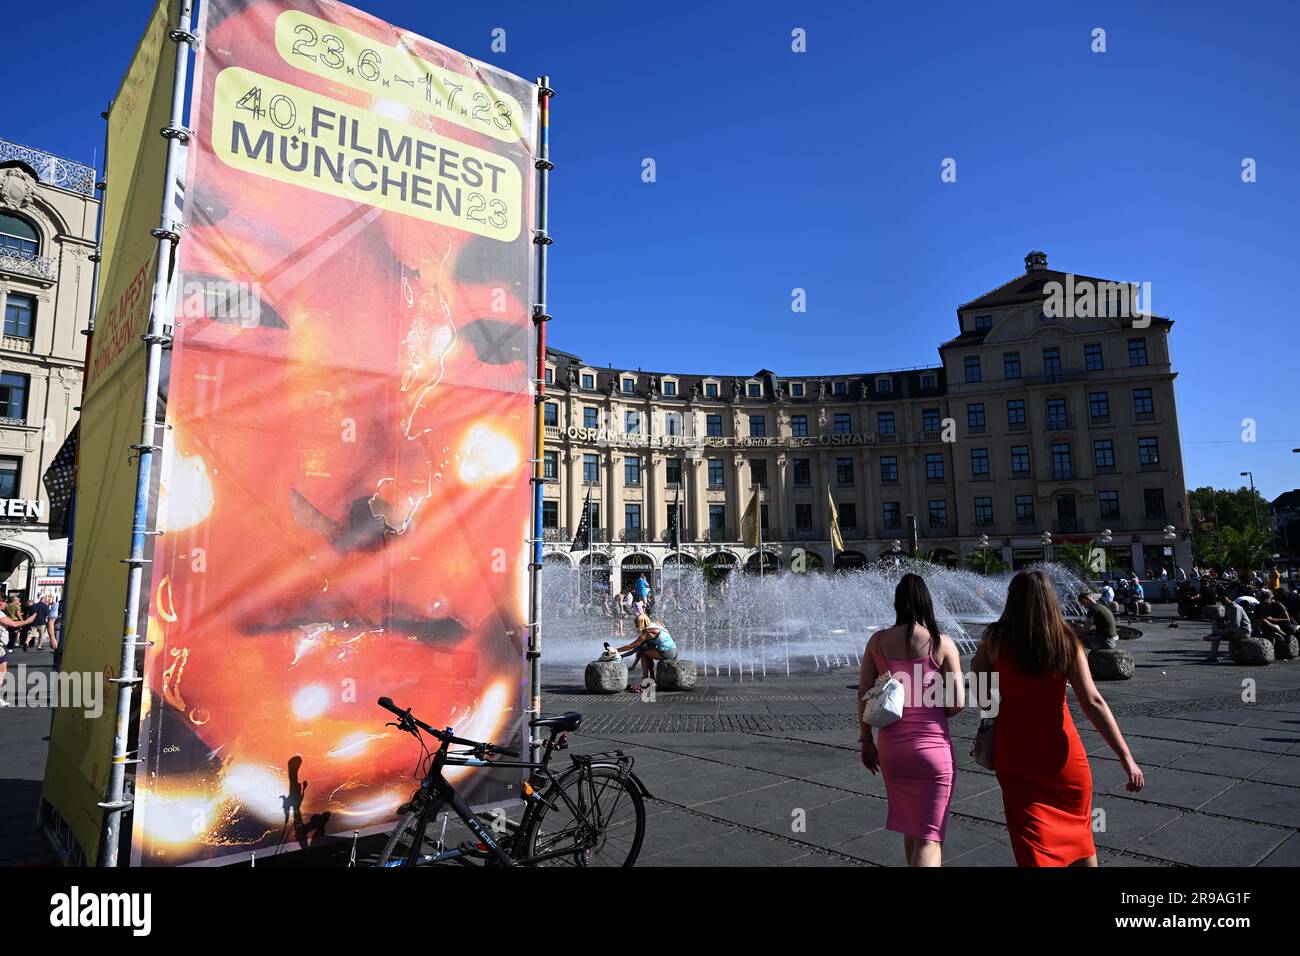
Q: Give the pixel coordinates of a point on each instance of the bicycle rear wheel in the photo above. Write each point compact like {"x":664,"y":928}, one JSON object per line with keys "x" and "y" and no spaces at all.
{"x":602,"y":826}
{"x":406,"y":842}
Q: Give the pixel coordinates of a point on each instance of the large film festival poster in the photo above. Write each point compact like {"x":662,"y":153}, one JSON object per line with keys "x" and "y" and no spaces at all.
{"x":346,"y":499}
{"x":81,"y":743}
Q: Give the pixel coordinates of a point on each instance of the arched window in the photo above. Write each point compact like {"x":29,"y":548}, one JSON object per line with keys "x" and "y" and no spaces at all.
{"x":18,"y":236}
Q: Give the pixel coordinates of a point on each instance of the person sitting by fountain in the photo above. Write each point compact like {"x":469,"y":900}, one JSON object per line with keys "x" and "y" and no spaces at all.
{"x":653,"y":643}
{"x":1108,"y":596}
{"x":1234,"y":625}
{"x":1100,"y":617}
{"x":915,"y":752}
{"x":1271,"y":619}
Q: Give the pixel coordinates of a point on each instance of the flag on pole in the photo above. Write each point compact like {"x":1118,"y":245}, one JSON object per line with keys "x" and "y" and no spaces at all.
{"x":749,"y":523}
{"x":675,"y":524}
{"x":837,"y":540}
{"x":60,"y":478}
{"x":582,"y":540}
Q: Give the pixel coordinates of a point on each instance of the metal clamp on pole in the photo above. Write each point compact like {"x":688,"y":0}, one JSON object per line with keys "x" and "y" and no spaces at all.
{"x":177,"y":133}
{"x":169,"y":235}
{"x":182,"y":36}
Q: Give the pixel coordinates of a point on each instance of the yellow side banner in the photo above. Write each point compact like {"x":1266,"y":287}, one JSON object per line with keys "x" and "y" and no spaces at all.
{"x":81,"y":742}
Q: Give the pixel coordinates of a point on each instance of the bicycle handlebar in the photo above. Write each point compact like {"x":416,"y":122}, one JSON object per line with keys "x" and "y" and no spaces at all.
{"x":445,"y":736}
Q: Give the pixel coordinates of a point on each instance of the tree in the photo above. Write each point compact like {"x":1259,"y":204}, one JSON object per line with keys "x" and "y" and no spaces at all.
{"x":1076,"y":557}
{"x":986,"y":561}
{"x":1214,"y":511}
{"x":1245,"y":550}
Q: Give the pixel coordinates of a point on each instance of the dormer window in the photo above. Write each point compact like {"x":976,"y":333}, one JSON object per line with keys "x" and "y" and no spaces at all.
{"x":629,"y":385}
{"x":669,"y":388}
{"x":884,"y":385}
{"x":983,"y":322}
{"x":710,"y":389}
{"x":550,"y":375}
{"x":841,"y":388}
{"x":588,"y":381}
{"x":754,"y":390}
{"x":929,"y":382}
{"x":796,"y":389}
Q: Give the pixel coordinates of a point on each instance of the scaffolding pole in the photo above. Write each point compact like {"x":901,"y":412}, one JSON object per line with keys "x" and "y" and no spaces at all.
{"x":168,"y":235}
{"x":542,"y":240}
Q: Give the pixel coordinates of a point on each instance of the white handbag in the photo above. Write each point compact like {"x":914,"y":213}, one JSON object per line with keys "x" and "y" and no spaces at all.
{"x":883,"y":703}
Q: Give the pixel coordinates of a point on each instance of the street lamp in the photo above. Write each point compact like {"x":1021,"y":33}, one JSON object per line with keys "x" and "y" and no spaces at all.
{"x":1254,"y":507}
{"x":1046,"y":539}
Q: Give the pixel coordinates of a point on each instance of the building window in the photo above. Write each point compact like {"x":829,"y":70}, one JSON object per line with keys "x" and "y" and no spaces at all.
{"x":670,"y":389}
{"x":758,"y":474}
{"x":632,"y":517}
{"x":588,"y":381}
{"x":930,"y":420}
{"x":1051,"y":365}
{"x":844,"y":471}
{"x":1025,"y":509}
{"x":1108,"y":501}
{"x":632,"y":470}
{"x":1148,"y":451}
{"x":884,"y":386}
{"x":799,"y":426}
{"x":757,"y":426}
{"x":1061,"y":469}
{"x":673,"y":471}
{"x":632,"y":423}
{"x":711,"y":390}
{"x":629,"y":385}
{"x":803,"y":516}
{"x":11,"y":470}
{"x":841,"y":389}
{"x":848,"y":512}
{"x":891,"y":513}
{"x":938,"y":514}
{"x":889,"y":469}
{"x":983,"y":511}
{"x":717,"y":517}
{"x":975,"y":416}
{"x":929,"y":382}
{"x":1067,"y":512}
{"x":550,"y":465}
{"x":1010,"y":364}
{"x":550,"y":375}
{"x":796,"y":389}
{"x":1016,"y":412}
{"x":1098,"y":405}
{"x":1092,"y":360}
{"x":591,"y":469}
{"x":13,"y":396}
{"x":1103,"y":454}
{"x":1143,"y":404}
{"x":885,"y":423}
{"x":802,"y":471}
{"x":972,"y":366}
{"x":979,"y":462}
{"x":18,"y":236}
{"x":934,"y":467}
{"x":754,"y":390}
{"x":1020,"y":459}
{"x":983,"y":322}
{"x":590,"y":417}
{"x":550,"y":514}
{"x":550,"y":414}
{"x":1153,"y":499}
{"x":20,"y":316}
{"x":1137,"y":352}
{"x":673,"y":423}
{"x":1056,"y":416}
{"x":842,"y":423}
{"x":713,"y":426}
{"x":715,"y":473}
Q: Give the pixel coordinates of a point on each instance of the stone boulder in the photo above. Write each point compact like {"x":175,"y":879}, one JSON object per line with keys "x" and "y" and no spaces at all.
{"x":605,"y":677}
{"x":1286,"y":648}
{"x":1251,"y":651}
{"x":674,"y":675}
{"x":1110,"y":663}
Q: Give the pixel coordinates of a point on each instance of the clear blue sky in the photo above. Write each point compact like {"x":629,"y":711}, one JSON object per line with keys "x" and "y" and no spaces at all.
{"x":820,"y":170}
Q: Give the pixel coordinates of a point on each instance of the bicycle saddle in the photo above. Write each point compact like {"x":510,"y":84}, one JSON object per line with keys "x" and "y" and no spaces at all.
{"x":560,"y":722}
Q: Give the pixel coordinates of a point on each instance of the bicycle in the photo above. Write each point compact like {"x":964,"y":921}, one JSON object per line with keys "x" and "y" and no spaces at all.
{"x":591,"y":814}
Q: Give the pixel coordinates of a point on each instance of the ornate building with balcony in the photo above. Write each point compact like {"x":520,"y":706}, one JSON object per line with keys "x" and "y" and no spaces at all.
{"x":48,"y":212}
{"x":1030,"y":432}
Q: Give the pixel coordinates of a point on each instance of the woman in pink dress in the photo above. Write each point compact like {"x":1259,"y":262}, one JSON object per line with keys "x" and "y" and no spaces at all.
{"x":915,"y":752}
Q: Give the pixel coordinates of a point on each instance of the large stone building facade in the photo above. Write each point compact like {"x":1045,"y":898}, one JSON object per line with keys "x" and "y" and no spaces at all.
{"x":1034,"y":429}
{"x":48,"y":213}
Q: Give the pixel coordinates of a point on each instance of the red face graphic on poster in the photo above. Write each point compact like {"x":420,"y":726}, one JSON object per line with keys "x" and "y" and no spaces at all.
{"x":345,"y":493}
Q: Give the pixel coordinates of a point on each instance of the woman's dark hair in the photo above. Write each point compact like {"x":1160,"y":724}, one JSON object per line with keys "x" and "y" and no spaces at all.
{"x":1031,"y":630}
{"x":913,"y":606}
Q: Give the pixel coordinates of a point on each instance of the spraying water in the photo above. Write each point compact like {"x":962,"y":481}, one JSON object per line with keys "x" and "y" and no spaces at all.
{"x":744,"y":626}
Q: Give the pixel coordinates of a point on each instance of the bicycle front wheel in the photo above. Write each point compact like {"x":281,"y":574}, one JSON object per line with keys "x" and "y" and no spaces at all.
{"x":406,"y":842}
{"x":588,"y":817}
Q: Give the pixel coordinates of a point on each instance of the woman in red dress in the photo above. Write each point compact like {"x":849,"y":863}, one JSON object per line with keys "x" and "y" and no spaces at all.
{"x":1039,"y":760}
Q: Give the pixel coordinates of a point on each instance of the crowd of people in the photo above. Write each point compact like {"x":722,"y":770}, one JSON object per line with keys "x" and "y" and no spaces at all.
{"x":27,"y":627}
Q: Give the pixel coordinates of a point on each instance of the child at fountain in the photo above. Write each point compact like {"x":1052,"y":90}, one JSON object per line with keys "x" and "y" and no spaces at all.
{"x":653,"y":643}
{"x":1037,"y":754}
{"x":915,"y":752}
